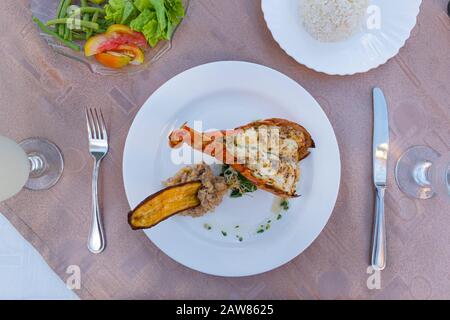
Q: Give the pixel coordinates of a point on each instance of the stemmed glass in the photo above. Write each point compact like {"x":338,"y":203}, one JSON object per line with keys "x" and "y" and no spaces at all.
{"x":35,"y":163}
{"x":422,"y":173}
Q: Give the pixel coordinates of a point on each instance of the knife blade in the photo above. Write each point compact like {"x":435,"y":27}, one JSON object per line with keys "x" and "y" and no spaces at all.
{"x":380,"y":157}
{"x":380,"y":138}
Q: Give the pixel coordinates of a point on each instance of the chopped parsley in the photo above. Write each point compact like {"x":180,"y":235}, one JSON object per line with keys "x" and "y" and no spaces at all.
{"x":207,"y":226}
{"x":224,"y":233}
{"x":284,"y":204}
{"x":279,"y":216}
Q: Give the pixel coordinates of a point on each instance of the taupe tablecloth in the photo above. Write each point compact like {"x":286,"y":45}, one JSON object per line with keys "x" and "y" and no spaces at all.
{"x":44,"y":94}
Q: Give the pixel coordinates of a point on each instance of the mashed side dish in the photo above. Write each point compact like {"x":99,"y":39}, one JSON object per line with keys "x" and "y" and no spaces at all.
{"x":333,"y":20}
{"x":211,"y":192}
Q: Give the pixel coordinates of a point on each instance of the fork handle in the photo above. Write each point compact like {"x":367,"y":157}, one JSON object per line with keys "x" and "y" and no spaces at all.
{"x":96,"y":242}
{"x":378,"y":260}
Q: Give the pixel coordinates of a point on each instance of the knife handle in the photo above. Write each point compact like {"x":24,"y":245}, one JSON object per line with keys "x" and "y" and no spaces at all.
{"x":378,"y":261}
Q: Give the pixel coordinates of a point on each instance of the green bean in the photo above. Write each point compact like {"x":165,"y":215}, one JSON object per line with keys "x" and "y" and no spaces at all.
{"x":78,"y":36}
{"x":58,"y":11}
{"x":97,"y":1}
{"x":67,"y":31}
{"x":101,"y":22}
{"x":86,"y":15}
{"x":52,"y":33}
{"x":73,"y":21}
{"x":94,"y":19}
{"x":63,"y":14}
{"x":60,"y":29}
{"x":87,"y":10}
{"x":66,"y":5}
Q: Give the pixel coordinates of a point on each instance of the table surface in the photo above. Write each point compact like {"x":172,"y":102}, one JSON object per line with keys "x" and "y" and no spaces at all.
{"x":44,"y":94}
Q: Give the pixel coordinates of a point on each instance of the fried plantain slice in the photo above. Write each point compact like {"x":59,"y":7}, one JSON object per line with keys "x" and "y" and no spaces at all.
{"x":164,"y":204}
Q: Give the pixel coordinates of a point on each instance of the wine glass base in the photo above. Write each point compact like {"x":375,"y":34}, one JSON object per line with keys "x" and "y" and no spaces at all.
{"x":50,"y":160}
{"x":412,"y":169}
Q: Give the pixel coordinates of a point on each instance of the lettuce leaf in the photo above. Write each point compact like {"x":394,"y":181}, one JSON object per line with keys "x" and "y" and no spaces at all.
{"x":160,"y":13}
{"x":156,"y":19}
{"x":120,"y":11}
{"x":142,"y":19}
{"x":152,"y":32}
{"x":175,"y":10}
{"x":129,"y":13}
{"x":114,"y":10}
{"x":141,"y":5}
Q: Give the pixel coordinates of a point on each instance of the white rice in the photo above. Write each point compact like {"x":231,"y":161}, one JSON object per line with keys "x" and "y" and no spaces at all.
{"x":333,"y":20}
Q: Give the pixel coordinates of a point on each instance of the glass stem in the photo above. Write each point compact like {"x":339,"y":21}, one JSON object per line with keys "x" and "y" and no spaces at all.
{"x":37,"y":164}
{"x":421,"y":173}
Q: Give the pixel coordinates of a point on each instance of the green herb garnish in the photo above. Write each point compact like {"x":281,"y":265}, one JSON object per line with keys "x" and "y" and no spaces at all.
{"x":260,"y":231}
{"x":279,"y":216}
{"x":284,"y":204}
{"x":235,"y":193}
{"x":224,"y":233}
{"x":238,"y":184}
{"x":207,"y":226}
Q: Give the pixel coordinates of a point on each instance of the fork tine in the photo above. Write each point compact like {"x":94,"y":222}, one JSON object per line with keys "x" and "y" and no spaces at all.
{"x":88,"y":124}
{"x":94,"y":124}
{"x":103,"y":123}
{"x":98,"y":124}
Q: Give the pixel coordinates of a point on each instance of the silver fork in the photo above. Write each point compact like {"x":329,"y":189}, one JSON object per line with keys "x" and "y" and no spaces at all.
{"x":98,"y":148}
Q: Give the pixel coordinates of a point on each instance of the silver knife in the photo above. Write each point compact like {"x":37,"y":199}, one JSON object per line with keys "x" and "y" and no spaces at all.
{"x":380,"y":155}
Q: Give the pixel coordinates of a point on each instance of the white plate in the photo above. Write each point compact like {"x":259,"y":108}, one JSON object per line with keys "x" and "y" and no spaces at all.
{"x":364,"y":51}
{"x":225,"y":95}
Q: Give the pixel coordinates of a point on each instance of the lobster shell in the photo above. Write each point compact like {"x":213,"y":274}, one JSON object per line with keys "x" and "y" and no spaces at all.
{"x":208,"y":143}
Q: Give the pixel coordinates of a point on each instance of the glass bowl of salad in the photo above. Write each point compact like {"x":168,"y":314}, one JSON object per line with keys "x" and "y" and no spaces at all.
{"x":110,"y":36}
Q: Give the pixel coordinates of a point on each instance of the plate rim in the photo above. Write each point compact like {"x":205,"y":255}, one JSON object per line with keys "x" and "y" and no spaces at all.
{"x":317,"y":68}
{"x":332,"y":203}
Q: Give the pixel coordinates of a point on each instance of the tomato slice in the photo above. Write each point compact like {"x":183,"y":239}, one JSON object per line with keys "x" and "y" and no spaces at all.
{"x":113,"y":59}
{"x":115,"y":36}
{"x":131,"y":36}
{"x":94,"y":44}
{"x":121,"y":28}
{"x":121,"y":56}
{"x":132,"y":51}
